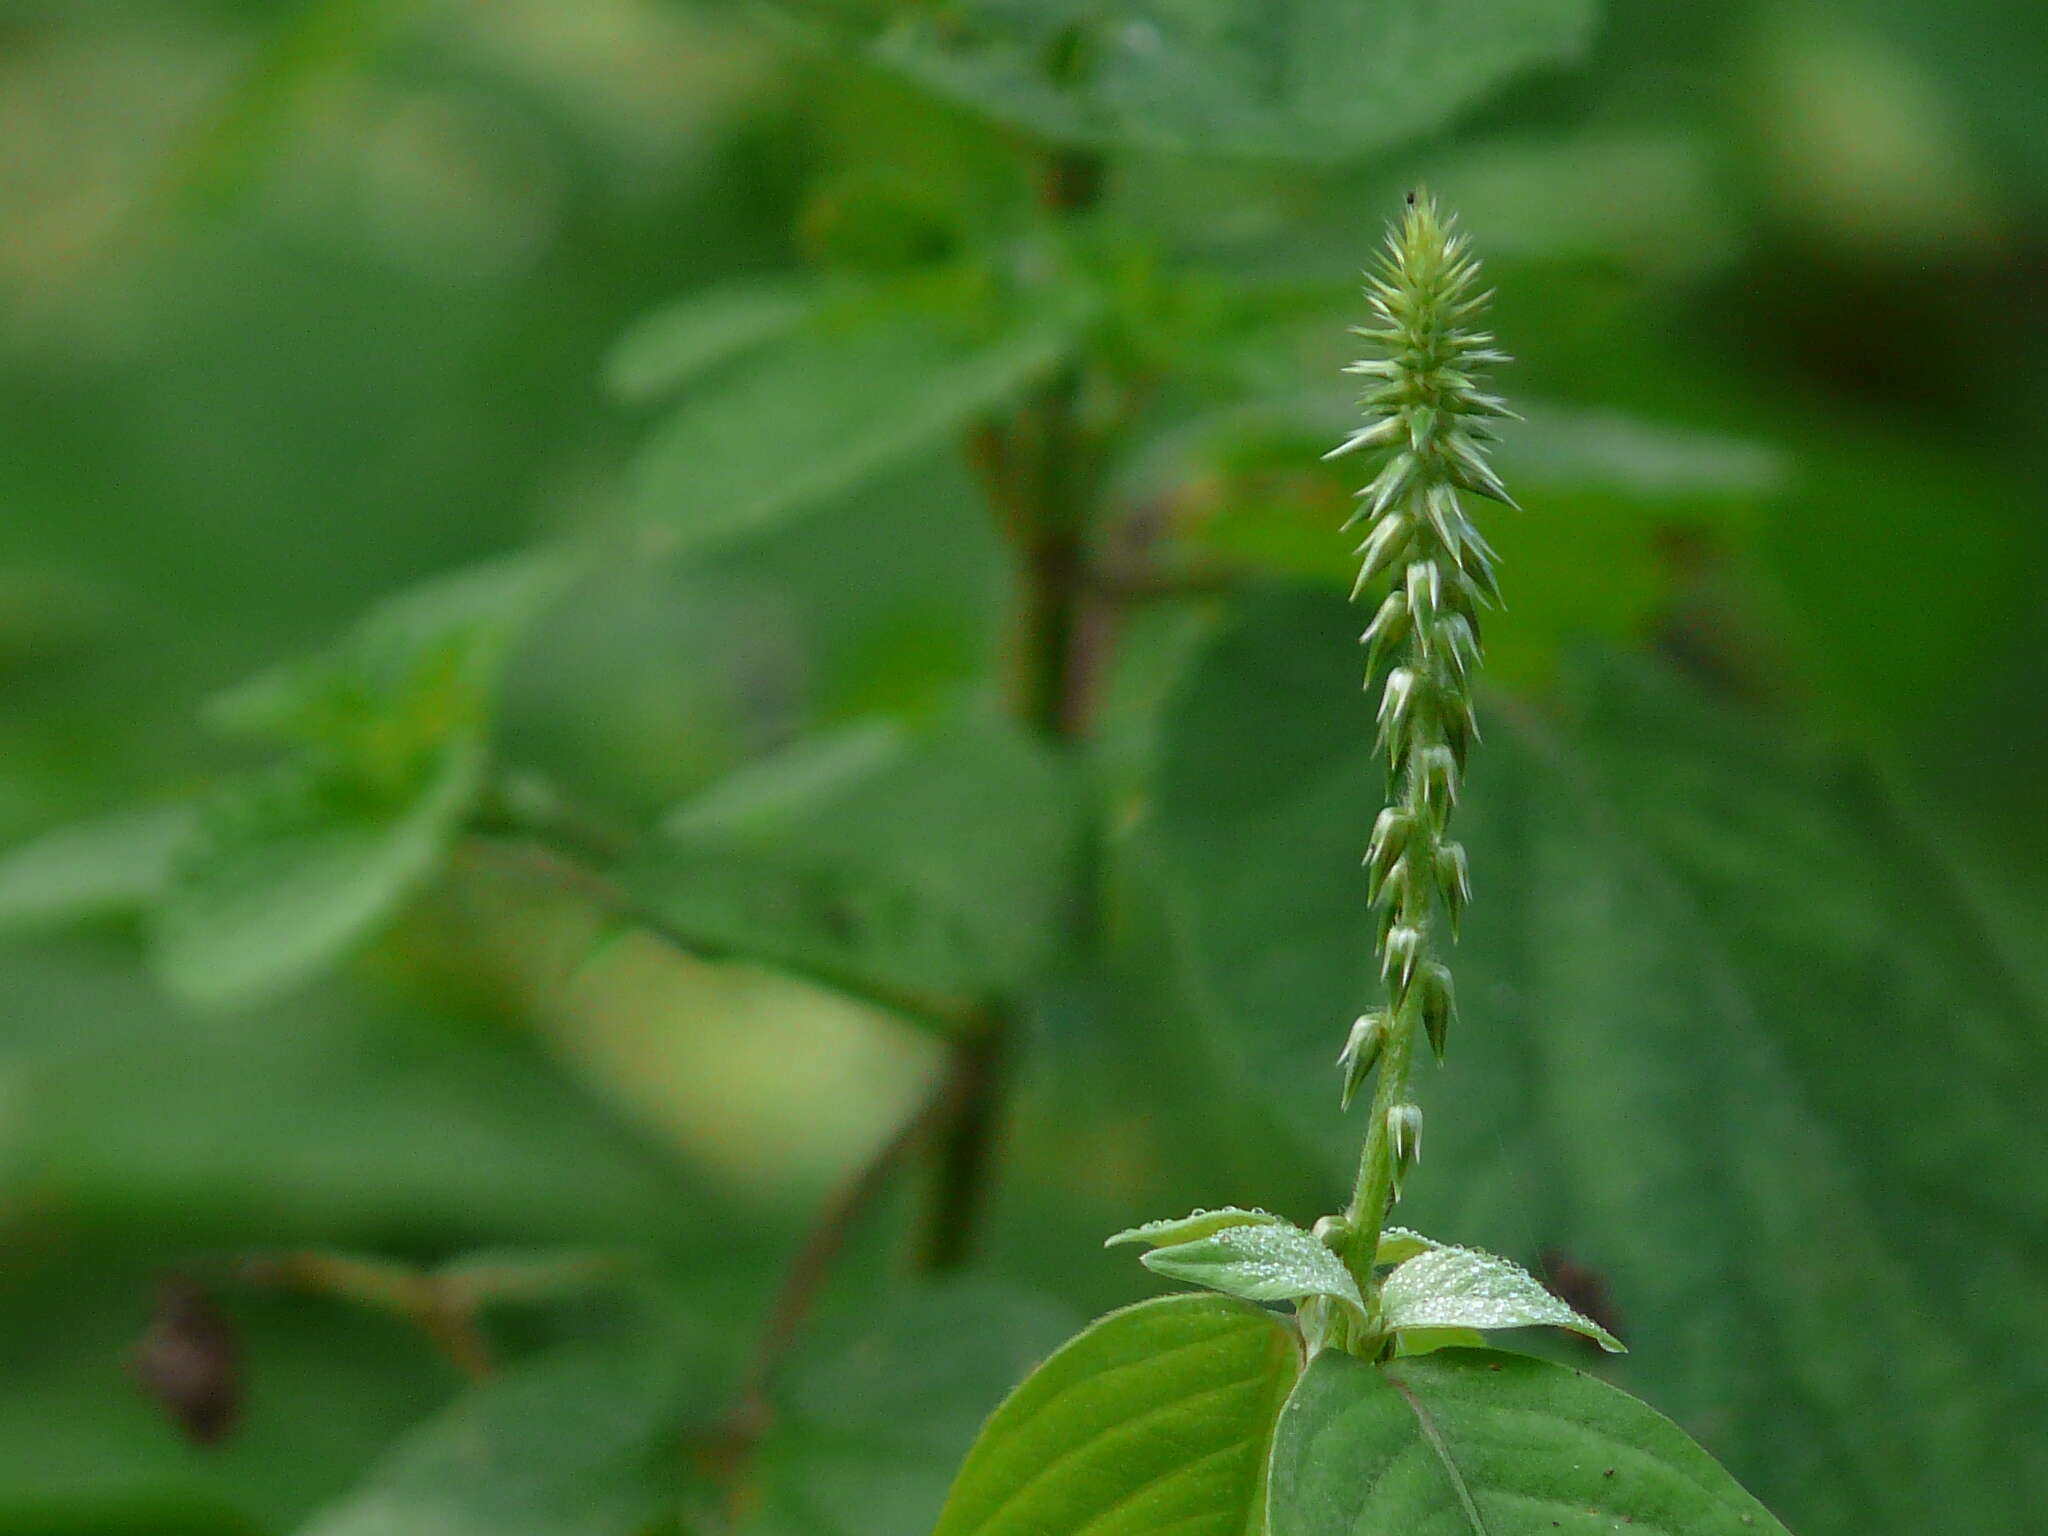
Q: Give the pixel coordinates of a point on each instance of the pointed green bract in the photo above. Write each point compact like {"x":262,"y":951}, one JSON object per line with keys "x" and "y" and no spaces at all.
{"x":1464,"y":1288}
{"x":1468,"y":1442}
{"x":1157,"y":1418}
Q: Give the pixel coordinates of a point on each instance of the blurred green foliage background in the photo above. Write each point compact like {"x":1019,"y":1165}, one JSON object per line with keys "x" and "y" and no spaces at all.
{"x":301,"y":305}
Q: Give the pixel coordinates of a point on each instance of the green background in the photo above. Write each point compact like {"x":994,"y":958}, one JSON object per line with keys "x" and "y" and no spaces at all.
{"x":301,"y":306}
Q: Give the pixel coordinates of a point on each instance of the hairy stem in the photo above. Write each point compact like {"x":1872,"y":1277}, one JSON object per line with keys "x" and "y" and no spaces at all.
{"x":1377,"y":1185}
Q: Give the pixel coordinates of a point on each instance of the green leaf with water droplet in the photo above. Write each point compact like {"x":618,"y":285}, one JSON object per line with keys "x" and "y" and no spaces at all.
{"x":1185,"y":1229}
{"x":1279,"y":1262}
{"x":1465,"y":1288}
{"x":1398,"y":1244}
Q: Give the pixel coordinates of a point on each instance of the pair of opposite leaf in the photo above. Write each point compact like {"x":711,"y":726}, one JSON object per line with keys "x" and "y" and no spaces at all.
{"x":1433,"y":1294}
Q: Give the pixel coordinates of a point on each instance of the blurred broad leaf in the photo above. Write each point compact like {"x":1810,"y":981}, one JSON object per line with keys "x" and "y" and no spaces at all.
{"x":938,"y":864}
{"x":415,"y":672}
{"x":1991,"y":65}
{"x":287,"y":871}
{"x":1550,"y":196}
{"x":1234,"y":76}
{"x":582,"y":1443}
{"x":93,"y":869}
{"x":869,"y":1430}
{"x":1489,"y":1444}
{"x":1155,"y":1418}
{"x":667,"y":347}
{"x":1704,"y":980}
{"x":851,"y":392}
{"x":321,"y":1120}
{"x":252,"y":120}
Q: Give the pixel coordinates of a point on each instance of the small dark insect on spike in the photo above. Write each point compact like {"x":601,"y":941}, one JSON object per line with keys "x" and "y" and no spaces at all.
{"x":189,"y":1362}
{"x":1411,"y":198}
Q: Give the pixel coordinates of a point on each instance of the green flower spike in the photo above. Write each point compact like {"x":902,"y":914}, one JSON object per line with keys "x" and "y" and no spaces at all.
{"x":1427,"y":421}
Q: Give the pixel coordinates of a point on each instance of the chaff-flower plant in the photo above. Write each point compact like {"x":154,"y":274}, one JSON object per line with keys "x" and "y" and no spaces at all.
{"x":1427,"y":423}
{"x":1362,"y":1416}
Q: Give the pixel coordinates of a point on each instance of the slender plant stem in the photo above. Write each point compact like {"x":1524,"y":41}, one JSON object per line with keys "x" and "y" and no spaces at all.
{"x":808,"y":1272}
{"x":1373,"y":1194}
{"x":1038,"y":470}
{"x":965,"y":1143}
{"x":444,"y":1314}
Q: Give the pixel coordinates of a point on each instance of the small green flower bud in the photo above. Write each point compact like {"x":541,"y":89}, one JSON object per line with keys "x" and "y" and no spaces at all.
{"x":1394,"y":898}
{"x":1361,"y":1052}
{"x":1477,"y":568}
{"x":1391,"y":831}
{"x":1401,"y":474}
{"x":1470,"y":468}
{"x":1425,"y":588}
{"x":1399,"y":956}
{"x":1454,"y":881}
{"x":1438,"y":1003}
{"x":1378,"y":435}
{"x":1400,"y":700}
{"x":1385,"y":890}
{"x":1446,"y":519}
{"x":1331,"y":1232}
{"x":1457,"y":641}
{"x":1389,"y":627}
{"x":1404,"y":1135}
{"x":1436,"y":774}
{"x":1375,"y":368}
{"x":1387,"y":542}
{"x":1461,"y":729}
